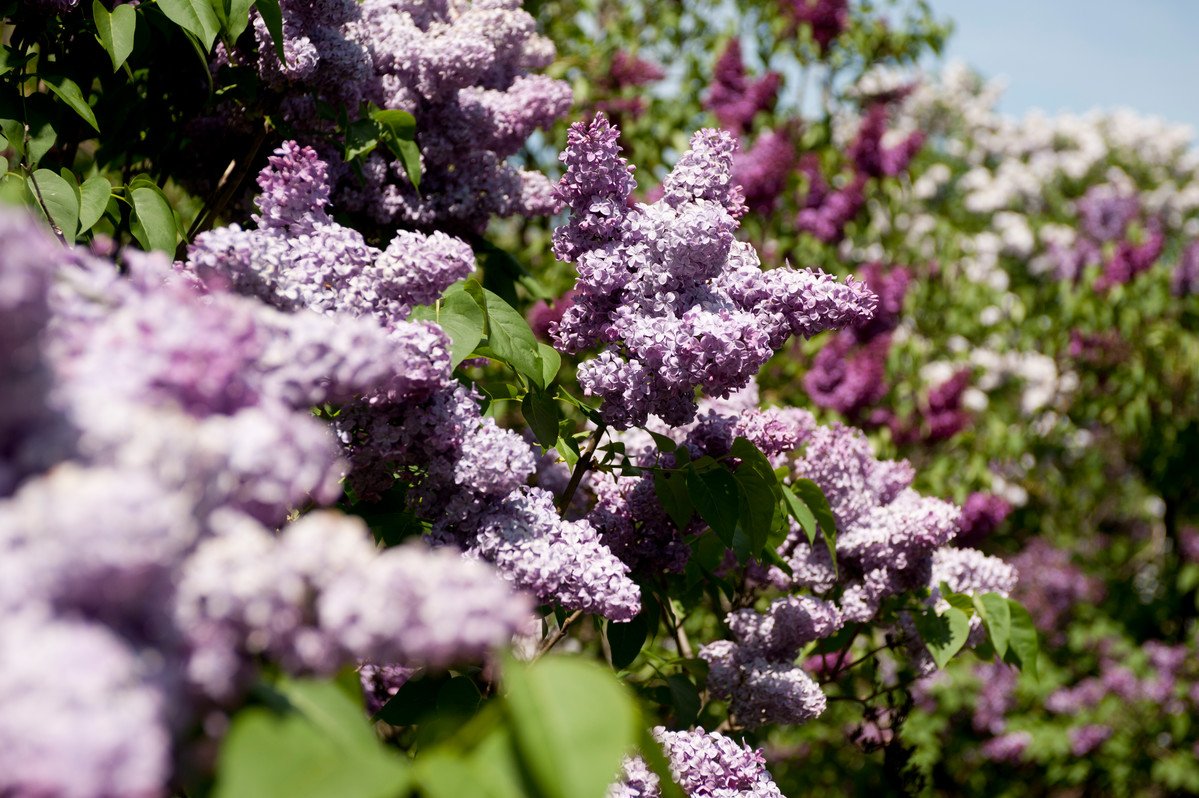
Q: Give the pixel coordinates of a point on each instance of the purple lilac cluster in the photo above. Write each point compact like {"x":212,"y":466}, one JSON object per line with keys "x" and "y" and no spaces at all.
{"x":1051,"y":585}
{"x":827,"y":19}
{"x":298,"y":257}
{"x":465,"y":71}
{"x":419,"y":425}
{"x":982,"y":513}
{"x":705,"y":765}
{"x":619,"y":87}
{"x":675,"y":302}
{"x":149,"y":551}
{"x":733,"y":98}
{"x":762,"y":170}
{"x":1185,"y":279}
{"x":848,"y":374}
{"x":825,"y":212}
{"x":757,"y":670}
{"x":1107,"y":221}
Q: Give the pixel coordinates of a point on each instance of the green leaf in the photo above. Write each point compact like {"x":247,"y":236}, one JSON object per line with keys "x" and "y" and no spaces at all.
{"x":11,"y":59}
{"x":801,"y":513}
{"x":759,"y":493}
{"x":960,"y":600}
{"x":551,"y":362}
{"x":362,"y":137}
{"x":409,"y":154}
{"x":153,"y":220}
{"x":68,"y":91}
{"x":93,"y":199}
{"x":462,"y":319}
{"x":664,"y":443}
{"x":943,"y":635}
{"x":540,"y":410}
{"x":626,"y":639}
{"x":997,"y":616}
{"x":684,"y":697}
{"x":510,"y":338}
{"x":574,"y":723}
{"x":400,"y":125}
{"x":671,"y":487}
{"x":1023,"y":641}
{"x":195,"y":17}
{"x":61,"y":199}
{"x":716,"y":498}
{"x":115,"y":29}
{"x":320,"y":747}
{"x":238,"y":18}
{"x":811,"y":495}
{"x":272,"y":17}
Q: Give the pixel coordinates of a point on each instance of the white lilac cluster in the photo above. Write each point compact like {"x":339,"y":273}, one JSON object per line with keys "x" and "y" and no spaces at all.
{"x":705,"y":765}
{"x":420,"y":427}
{"x":464,"y":69}
{"x":149,"y":551}
{"x":757,"y":670}
{"x":671,"y":298}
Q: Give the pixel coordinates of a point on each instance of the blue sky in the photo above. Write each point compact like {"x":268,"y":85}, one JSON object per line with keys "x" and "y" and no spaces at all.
{"x":1079,"y":54}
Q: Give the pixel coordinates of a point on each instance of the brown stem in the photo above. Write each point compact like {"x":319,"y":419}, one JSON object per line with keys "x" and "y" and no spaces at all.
{"x":556,"y":636}
{"x":580,"y":469}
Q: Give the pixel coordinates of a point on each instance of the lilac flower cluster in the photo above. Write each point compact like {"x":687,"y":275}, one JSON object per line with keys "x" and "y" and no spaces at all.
{"x":627,"y":71}
{"x":674,"y":300}
{"x":1051,"y":585}
{"x":464,"y":70}
{"x":1107,"y":220}
{"x":762,"y":170}
{"x":733,"y":98}
{"x":148,"y":552}
{"x":417,"y":424}
{"x":827,"y":19}
{"x":705,"y":765}
{"x":757,"y":669}
{"x":870,"y":157}
{"x":848,"y":374}
{"x":982,"y":513}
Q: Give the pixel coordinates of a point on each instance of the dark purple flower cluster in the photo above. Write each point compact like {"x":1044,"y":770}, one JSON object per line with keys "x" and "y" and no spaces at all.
{"x":982,"y":513}
{"x":674,"y":300}
{"x":762,"y":170}
{"x":826,"y":211}
{"x":733,"y":98}
{"x":828,"y":19}
{"x":705,"y":765}
{"x":870,"y":157}
{"x":1108,"y":236}
{"x":848,"y":374}
{"x":757,"y":670}
{"x":150,"y":551}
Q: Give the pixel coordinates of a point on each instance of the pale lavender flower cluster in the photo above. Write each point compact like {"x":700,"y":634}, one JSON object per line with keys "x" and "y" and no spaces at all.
{"x":757,"y":669}
{"x":464,"y":70}
{"x":420,"y":426}
{"x":705,"y":765}
{"x":149,"y":553}
{"x":298,"y":257}
{"x":675,"y":302}
{"x":762,"y":170}
{"x":1051,"y":585}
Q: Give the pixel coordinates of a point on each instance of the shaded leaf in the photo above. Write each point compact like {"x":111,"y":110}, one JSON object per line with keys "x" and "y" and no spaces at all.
{"x":153,"y":220}
{"x":671,"y":487}
{"x":540,"y":410}
{"x":715,"y":496}
{"x":116,"y":29}
{"x":626,"y":639}
{"x":68,"y":91}
{"x":944,"y":634}
{"x":61,"y":199}
{"x":272,"y":17}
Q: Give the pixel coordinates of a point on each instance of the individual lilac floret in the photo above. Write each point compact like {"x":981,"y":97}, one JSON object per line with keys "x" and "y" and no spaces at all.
{"x":100,"y":732}
{"x":560,"y":561}
{"x":733,"y":98}
{"x":672,"y":299}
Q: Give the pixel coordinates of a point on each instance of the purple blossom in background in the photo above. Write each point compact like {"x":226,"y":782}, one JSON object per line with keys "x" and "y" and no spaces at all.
{"x":628,"y":69}
{"x":827,"y":211}
{"x":762,"y":171}
{"x":1130,"y":260}
{"x":1051,"y":585}
{"x":1008,"y":748}
{"x":870,"y":158}
{"x":996,"y":696}
{"x":1185,"y":279}
{"x":846,"y":377}
{"x":705,"y":765}
{"x":1106,"y":213}
{"x":675,"y":301}
{"x":982,"y":513}
{"x":733,"y":98}
{"x":544,"y":315}
{"x":828,"y":19}
{"x":891,"y":285}
{"x":1085,"y":739}
{"x":943,"y":413}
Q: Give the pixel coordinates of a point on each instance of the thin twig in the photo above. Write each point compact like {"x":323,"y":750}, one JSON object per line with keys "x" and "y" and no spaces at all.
{"x":559,"y":633}
{"x":580,"y":468}
{"x":211,"y":212}
{"x":676,"y":630}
